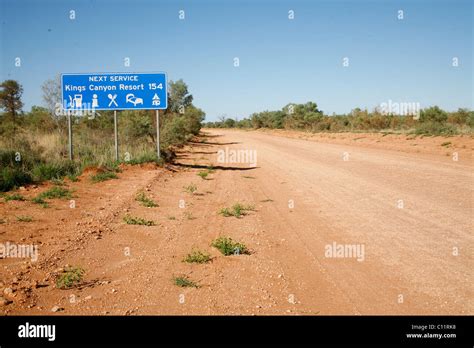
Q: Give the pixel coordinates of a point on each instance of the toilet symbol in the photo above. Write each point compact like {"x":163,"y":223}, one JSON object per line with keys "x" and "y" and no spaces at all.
{"x":95,"y":102}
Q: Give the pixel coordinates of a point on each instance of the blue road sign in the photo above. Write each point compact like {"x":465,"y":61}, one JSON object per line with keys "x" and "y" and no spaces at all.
{"x":114,"y":91}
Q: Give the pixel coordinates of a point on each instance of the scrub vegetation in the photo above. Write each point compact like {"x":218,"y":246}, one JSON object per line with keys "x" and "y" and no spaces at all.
{"x":307,"y":117}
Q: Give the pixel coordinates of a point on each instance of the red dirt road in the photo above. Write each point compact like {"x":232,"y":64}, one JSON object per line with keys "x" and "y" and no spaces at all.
{"x":408,"y":213}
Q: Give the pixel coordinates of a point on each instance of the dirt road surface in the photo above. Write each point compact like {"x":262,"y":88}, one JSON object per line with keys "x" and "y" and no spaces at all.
{"x":403,"y":218}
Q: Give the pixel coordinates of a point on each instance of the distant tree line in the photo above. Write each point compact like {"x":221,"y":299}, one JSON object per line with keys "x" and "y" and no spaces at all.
{"x":307,"y":117}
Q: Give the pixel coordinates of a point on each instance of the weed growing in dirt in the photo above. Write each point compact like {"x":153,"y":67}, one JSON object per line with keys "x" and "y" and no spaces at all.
{"x":266,"y":200}
{"x":103,"y":176}
{"x":236,"y":210}
{"x":447,"y":143}
{"x":171,"y":218}
{"x":41,"y":201}
{"x":73,"y":178}
{"x":58,"y":182}
{"x":24,"y":218}
{"x":149,"y":157}
{"x":137,"y":221}
{"x":203,"y":174}
{"x":55,"y":192}
{"x":71,"y":277}
{"x":184,"y":282}
{"x":229,"y":247}
{"x":188,"y":215}
{"x":14,"y":197}
{"x":145,"y":201}
{"x":2,"y":221}
{"x":197,"y":256}
{"x":191,"y":188}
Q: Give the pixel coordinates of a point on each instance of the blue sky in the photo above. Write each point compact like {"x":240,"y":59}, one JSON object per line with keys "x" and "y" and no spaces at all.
{"x":281,"y":60}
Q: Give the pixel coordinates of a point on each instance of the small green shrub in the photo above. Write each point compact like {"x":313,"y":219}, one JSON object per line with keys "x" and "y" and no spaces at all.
{"x":191,"y":188}
{"x":228,"y":247}
{"x":70,"y":278}
{"x":197,"y":256}
{"x":103,"y":176}
{"x":54,"y":192}
{"x":14,"y":197}
{"x":184,"y":282}
{"x":24,"y":218}
{"x":41,"y":201}
{"x":145,"y":201}
{"x":238,"y":210}
{"x":129,"y":220}
{"x":203,"y":174}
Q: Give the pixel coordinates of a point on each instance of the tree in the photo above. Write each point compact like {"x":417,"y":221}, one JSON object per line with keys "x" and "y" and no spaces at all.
{"x":178,"y":96}
{"x":52,"y":99}
{"x":52,"y":94}
{"x":433,"y":114}
{"x":10,"y":98}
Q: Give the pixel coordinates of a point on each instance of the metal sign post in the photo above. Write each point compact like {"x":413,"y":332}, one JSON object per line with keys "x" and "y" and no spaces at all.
{"x":116,"y":136}
{"x":158,"y":133}
{"x":69,"y":128}
{"x":115,"y":91}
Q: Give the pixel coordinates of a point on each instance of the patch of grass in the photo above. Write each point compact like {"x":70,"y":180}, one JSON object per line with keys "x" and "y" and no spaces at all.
{"x":56,"y":170}
{"x":184,"y":282}
{"x":191,"y":188}
{"x":58,"y":182}
{"x":171,"y":218}
{"x":73,"y":178}
{"x":188,"y":215}
{"x":236,"y":210}
{"x":24,"y":218}
{"x":103,"y":176}
{"x":197,"y":256}
{"x":13,"y":177}
{"x":41,"y":201}
{"x":229,"y":247}
{"x":55,"y":192}
{"x":149,"y":157}
{"x":210,"y":169}
{"x":145,"y":201}
{"x":435,"y":128}
{"x":70,"y":278}
{"x":203,"y":174}
{"x":447,"y":143}
{"x":137,"y":221}
{"x":14,"y":197}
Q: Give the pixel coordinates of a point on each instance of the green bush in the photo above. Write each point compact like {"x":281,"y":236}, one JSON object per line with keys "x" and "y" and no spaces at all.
{"x":229,"y":247}
{"x":49,"y":171}
{"x":435,"y":128}
{"x":13,"y":177}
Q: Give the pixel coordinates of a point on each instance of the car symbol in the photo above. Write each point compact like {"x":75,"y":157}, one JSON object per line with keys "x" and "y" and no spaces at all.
{"x":130,"y":98}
